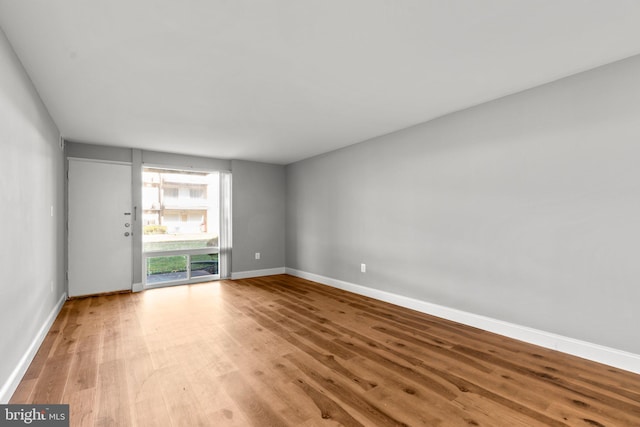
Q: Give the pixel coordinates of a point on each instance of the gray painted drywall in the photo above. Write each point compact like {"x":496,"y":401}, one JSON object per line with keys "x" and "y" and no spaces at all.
{"x":525,"y":209}
{"x":258,"y":204}
{"x":148,"y":158}
{"x":155,"y":158}
{"x":97,"y":152}
{"x":31,"y":183}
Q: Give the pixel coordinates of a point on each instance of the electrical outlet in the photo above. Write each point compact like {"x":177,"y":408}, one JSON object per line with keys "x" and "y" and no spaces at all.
{"x":257,"y":255}
{"x":363,"y":268}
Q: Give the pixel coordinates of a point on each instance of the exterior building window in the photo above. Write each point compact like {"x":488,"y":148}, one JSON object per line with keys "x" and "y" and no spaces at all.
{"x":171,"y":193}
{"x":196,"y":193}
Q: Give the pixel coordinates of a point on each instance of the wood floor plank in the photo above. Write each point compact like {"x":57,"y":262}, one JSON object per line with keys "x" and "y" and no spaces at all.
{"x":284,"y":351}
{"x":409,"y":395}
{"x":83,"y":372}
{"x":254,"y":407}
{"x":328,"y":408}
{"x":24,"y":390}
{"x":52,"y":380}
{"x":114,"y":404}
{"x":344,"y":392}
{"x":42,"y":355}
{"x":82,"y":404}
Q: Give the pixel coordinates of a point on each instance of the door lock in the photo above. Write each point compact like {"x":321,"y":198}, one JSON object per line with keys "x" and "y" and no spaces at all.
{"x":126,"y":224}
{"x":126,"y":234}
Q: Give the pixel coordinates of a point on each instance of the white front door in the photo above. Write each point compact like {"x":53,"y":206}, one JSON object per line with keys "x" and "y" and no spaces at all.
{"x":100,"y":226}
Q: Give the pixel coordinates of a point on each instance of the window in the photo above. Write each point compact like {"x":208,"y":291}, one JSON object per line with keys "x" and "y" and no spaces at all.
{"x":171,"y":193}
{"x":196,"y":193}
{"x":181,"y":232}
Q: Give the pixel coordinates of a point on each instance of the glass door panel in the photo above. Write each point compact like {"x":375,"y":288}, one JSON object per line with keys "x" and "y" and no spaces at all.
{"x":181,"y":214}
{"x":202,"y":265}
{"x":180,"y":209}
{"x":166,"y":269}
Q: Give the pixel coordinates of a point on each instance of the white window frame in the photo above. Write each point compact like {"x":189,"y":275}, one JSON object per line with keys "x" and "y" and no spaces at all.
{"x":224,"y":239}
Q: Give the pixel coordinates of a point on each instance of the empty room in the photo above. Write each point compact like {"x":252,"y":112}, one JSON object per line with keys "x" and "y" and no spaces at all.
{"x":320,"y":213}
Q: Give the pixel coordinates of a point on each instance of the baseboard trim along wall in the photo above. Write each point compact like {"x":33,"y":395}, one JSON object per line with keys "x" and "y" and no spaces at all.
{"x":10,"y":386}
{"x":257,"y":273}
{"x":597,"y":353}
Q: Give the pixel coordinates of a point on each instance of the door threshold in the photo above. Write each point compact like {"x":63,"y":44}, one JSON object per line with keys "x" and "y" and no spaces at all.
{"x":101,"y":294}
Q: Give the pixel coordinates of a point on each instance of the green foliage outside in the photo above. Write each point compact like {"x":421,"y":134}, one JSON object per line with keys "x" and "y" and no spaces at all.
{"x":166,"y":264}
{"x":178,"y":263}
{"x":154,"y":229}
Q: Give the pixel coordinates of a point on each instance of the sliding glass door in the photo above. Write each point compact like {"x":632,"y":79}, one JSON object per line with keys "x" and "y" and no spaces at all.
{"x":182,"y":216}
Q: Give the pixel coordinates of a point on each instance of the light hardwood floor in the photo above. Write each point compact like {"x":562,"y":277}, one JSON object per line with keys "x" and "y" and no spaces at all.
{"x":282,"y":351}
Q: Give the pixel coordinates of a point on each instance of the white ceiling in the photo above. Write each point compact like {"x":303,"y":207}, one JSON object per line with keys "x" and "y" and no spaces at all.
{"x":282,"y":80}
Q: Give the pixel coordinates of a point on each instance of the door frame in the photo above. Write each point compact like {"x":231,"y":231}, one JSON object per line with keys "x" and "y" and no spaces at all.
{"x":133,"y":209}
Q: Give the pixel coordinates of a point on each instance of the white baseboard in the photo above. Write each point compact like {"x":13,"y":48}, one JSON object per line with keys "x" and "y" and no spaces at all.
{"x":137,"y":287}
{"x":10,"y":386}
{"x":597,"y":353}
{"x":257,"y":273}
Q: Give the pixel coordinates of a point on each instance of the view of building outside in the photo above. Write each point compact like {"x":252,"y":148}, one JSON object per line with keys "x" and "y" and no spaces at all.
{"x":180,"y":212}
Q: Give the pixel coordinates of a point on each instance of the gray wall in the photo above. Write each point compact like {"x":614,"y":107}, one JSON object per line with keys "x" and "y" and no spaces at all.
{"x":258,"y":194}
{"x":31,"y":182}
{"x":525,"y":209}
{"x":97,"y":152}
{"x":155,"y":158}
